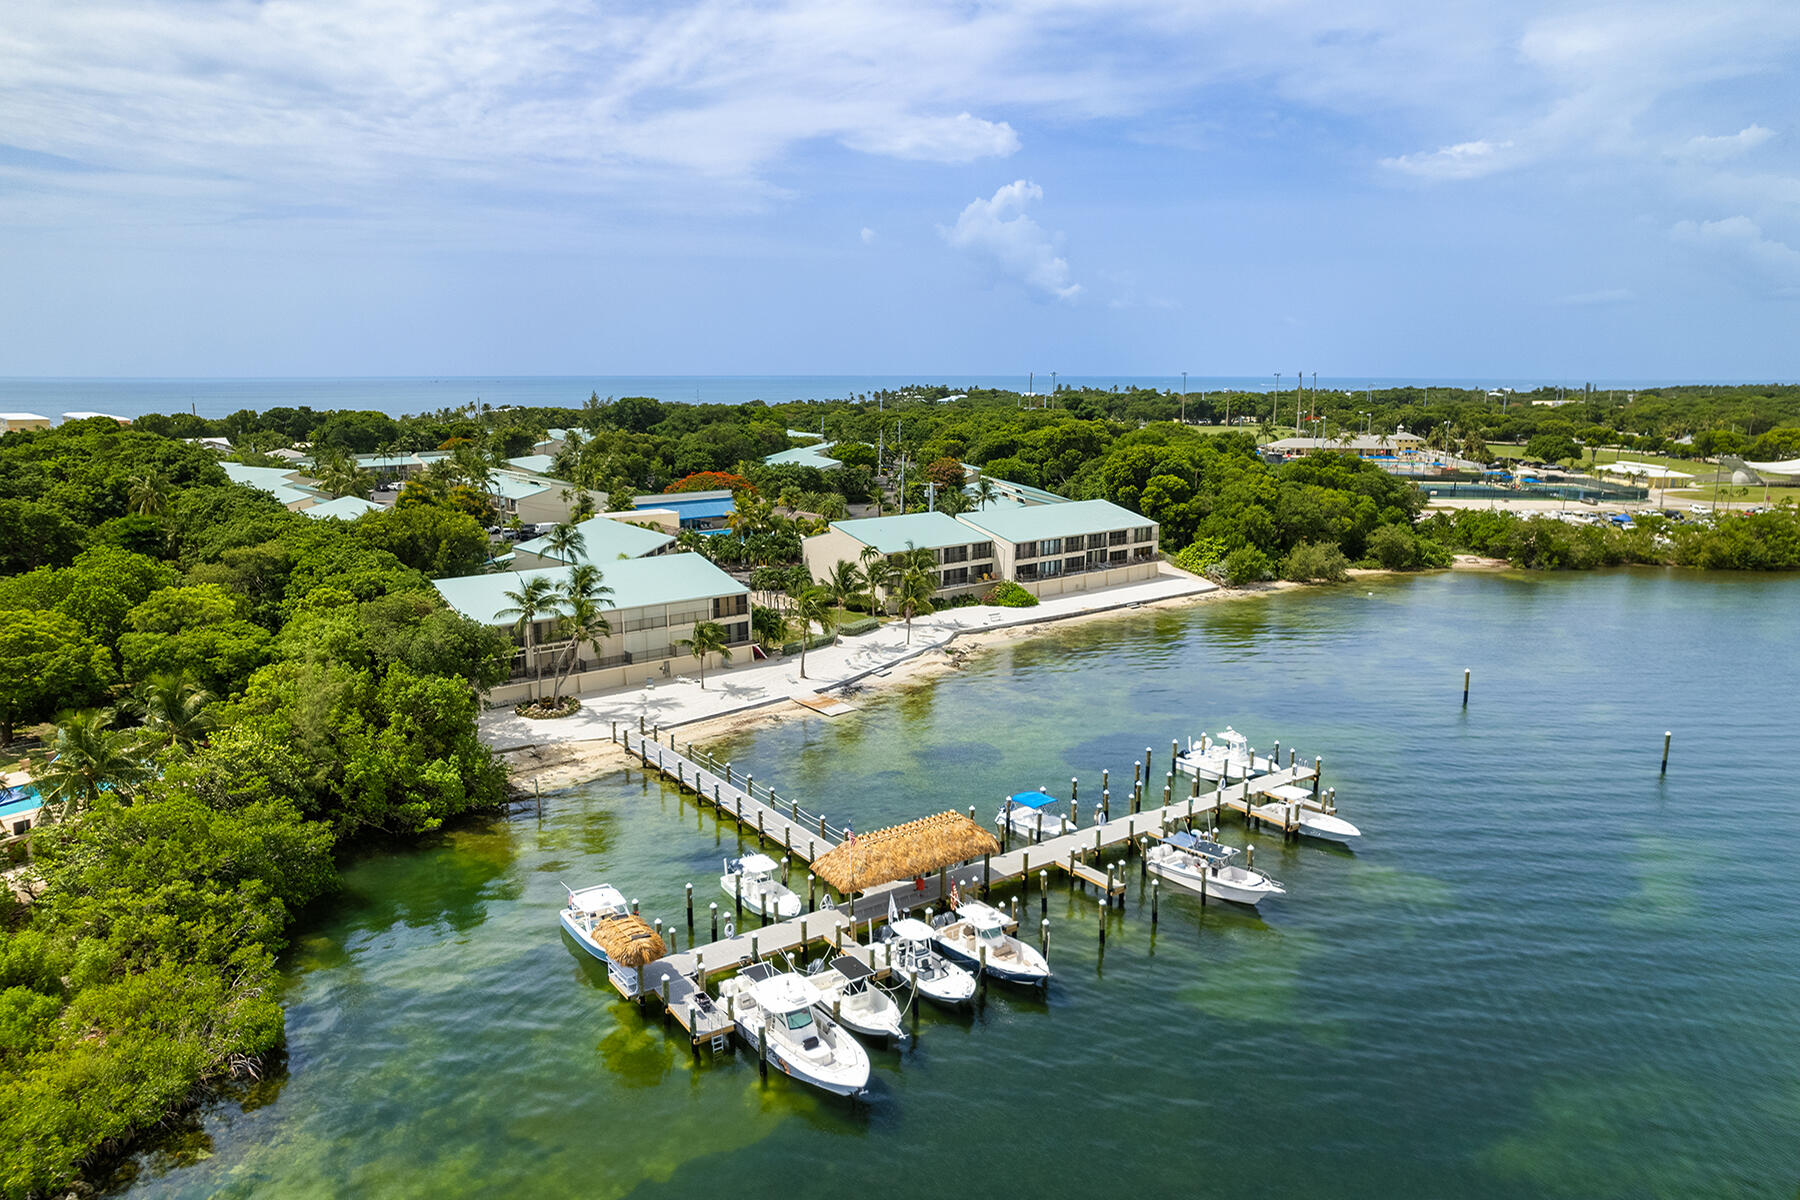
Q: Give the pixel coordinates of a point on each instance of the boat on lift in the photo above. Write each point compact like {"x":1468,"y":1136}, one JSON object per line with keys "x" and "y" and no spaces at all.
{"x":762,"y":894}
{"x":1225,"y":757}
{"x":975,"y":935}
{"x":780,"y":1011}
{"x":912,"y":958}
{"x":1027,"y":815}
{"x":1204,"y":867}
{"x":849,"y":994}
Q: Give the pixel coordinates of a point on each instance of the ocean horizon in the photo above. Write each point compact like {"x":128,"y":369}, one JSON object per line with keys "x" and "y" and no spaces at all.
{"x":403,"y":395}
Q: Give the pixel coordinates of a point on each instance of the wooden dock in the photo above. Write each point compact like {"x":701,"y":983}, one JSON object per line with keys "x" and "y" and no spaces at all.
{"x":679,"y":979}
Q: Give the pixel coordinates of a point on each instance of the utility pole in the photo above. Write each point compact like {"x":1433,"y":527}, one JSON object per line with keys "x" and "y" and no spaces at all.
{"x":1273,"y":417}
{"x":1184,"y":397}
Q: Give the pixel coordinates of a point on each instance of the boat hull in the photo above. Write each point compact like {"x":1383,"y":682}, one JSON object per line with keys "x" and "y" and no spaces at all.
{"x":582,"y":940}
{"x":1327,"y":826}
{"x":1218,"y":886}
{"x":1027,"y":977}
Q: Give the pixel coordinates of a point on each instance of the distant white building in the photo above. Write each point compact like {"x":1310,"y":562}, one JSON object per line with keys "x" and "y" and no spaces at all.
{"x":19,"y":421}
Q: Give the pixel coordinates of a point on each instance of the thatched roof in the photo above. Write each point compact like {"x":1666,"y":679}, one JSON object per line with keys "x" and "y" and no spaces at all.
{"x":629,"y":941}
{"x":904,"y":852}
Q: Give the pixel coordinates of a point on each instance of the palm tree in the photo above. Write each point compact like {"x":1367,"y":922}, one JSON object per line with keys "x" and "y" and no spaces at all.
{"x":812,"y":606}
{"x":149,"y":493}
{"x":90,"y":759}
{"x":174,"y":710}
{"x":583,"y":507}
{"x":917,"y":585}
{"x":584,"y":622}
{"x":985,"y":491}
{"x":586,"y":579}
{"x":567,"y":542}
{"x":769,"y":625}
{"x":875,"y":572}
{"x":535,"y":598}
{"x":843,"y":582}
{"x":708,"y":638}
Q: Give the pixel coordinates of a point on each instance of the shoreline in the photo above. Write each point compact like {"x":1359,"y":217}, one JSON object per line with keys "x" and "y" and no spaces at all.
{"x":554,"y":765}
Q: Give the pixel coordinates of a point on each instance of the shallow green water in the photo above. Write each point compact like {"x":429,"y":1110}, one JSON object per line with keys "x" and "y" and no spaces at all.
{"x":1545,"y":971}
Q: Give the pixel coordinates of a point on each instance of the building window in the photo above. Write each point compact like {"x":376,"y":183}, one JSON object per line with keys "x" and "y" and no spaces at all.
{"x":981,"y":550}
{"x":739,"y":632}
{"x":1072,"y":565}
{"x":1096,"y":541}
{"x":1028,"y":550}
{"x":1143,"y":533}
{"x":956,"y":554}
{"x":955,"y":576}
{"x":1027,"y":572}
{"x":1116,"y":557}
{"x":1049,"y":567}
{"x":1050,"y":546}
{"x":1142,"y":553}
{"x":1116,"y":538}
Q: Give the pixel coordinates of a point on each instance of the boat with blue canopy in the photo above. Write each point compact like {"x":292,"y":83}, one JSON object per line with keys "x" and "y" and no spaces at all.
{"x":1027,"y":815}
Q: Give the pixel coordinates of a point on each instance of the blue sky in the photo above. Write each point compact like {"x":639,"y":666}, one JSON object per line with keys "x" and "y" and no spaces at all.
{"x":374,"y":187}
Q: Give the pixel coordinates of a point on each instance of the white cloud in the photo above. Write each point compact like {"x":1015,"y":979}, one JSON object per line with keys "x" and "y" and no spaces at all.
{"x":957,"y":139}
{"x":868,"y":236}
{"x":1741,"y":239}
{"x":1465,"y":160}
{"x":1721,"y":149}
{"x":999,"y":231}
{"x":1597,"y":299}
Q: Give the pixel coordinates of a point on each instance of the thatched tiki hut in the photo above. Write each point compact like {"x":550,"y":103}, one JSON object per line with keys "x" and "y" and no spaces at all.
{"x":907,"y":851}
{"x":629,"y":942}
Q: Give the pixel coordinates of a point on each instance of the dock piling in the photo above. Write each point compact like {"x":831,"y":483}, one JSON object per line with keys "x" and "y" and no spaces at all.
{"x":812,"y":904}
{"x":1155,"y":885}
{"x":713,"y":908}
{"x":1044,"y":895}
{"x":1044,"y":937}
{"x":1668,"y":735}
{"x":1101,"y":909}
{"x":690,"y":909}
{"x":1074,"y":788}
{"x":1465,"y":687}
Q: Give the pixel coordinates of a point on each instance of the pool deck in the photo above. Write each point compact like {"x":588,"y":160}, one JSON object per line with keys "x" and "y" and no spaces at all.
{"x":672,"y":702}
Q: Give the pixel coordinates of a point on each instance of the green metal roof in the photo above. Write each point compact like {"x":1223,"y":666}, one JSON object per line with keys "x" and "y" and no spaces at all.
{"x":803,"y":456}
{"x":605,"y":539}
{"x":636,"y":583}
{"x":344,"y":508}
{"x":927,"y":531}
{"x":1076,"y":518}
{"x":508,"y":486}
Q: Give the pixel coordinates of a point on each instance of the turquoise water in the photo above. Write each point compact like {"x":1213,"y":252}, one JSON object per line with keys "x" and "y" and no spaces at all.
{"x":1546,"y":972}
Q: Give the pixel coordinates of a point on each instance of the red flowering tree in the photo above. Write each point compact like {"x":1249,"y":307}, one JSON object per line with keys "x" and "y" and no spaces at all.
{"x":712,"y":481}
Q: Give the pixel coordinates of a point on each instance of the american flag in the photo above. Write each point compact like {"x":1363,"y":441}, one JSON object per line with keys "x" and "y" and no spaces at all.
{"x":955,"y":895}
{"x":849,"y":836}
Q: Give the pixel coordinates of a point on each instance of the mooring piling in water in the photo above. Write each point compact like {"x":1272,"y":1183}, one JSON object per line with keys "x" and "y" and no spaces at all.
{"x":1668,"y":735}
{"x":1465,"y":703}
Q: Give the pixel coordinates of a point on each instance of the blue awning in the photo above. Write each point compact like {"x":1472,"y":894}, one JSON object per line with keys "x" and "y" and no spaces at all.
{"x":1032,"y":799}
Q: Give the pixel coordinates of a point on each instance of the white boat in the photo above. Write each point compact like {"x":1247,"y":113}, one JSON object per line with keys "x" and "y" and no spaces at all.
{"x":1023,"y":813}
{"x":802,"y":1041}
{"x":913,"y":959}
{"x":1223,"y":758}
{"x":849,"y":994}
{"x":587,"y":908}
{"x":1205,"y":868}
{"x":1315,"y":822}
{"x":762,"y":894}
{"x":976,"y":936}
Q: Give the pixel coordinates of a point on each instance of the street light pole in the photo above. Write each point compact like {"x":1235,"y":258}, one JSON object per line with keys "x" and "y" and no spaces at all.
{"x":1275,"y":416}
{"x":1184,"y":397}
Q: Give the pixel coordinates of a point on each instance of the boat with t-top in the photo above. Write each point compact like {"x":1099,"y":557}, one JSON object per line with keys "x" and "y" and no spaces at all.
{"x":762,"y":894}
{"x":779,"y":1012}
{"x":586,"y":910}
{"x":912,"y":958}
{"x":849,"y":994}
{"x":975,"y":935}
{"x":1204,"y":867}
{"x":1225,"y":757}
{"x":1028,"y":815}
